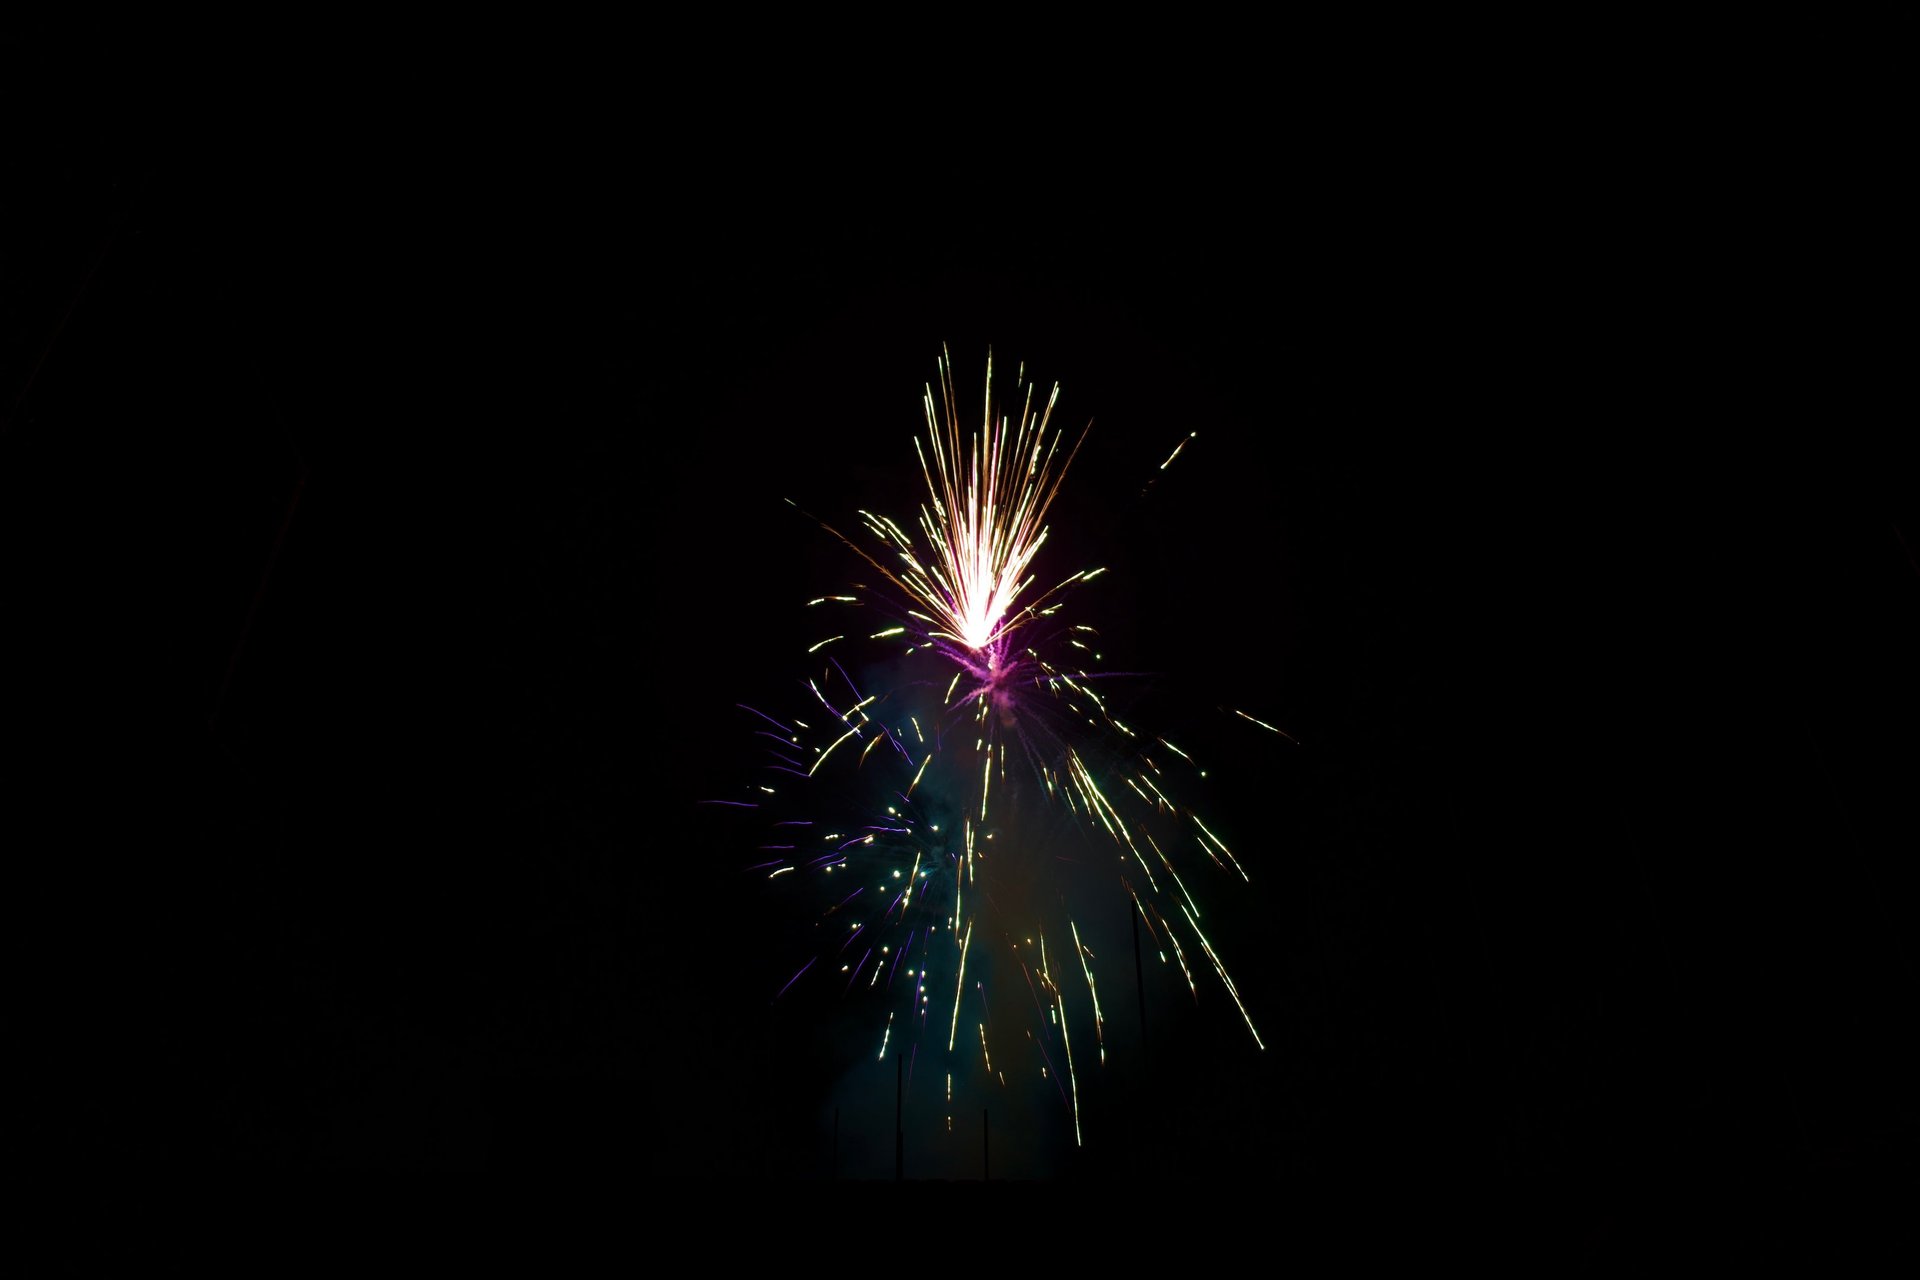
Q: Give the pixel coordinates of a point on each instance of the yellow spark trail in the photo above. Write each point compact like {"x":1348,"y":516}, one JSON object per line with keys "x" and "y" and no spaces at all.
{"x":1222,"y":971}
{"x":958,"y":981}
{"x":1099,"y":1021}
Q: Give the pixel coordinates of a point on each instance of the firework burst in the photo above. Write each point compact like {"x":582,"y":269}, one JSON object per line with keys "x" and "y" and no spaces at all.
{"x":949,"y":813}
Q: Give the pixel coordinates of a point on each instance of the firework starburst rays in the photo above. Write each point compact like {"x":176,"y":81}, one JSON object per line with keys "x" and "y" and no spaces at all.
{"x":974,"y":780}
{"x":984,"y":521}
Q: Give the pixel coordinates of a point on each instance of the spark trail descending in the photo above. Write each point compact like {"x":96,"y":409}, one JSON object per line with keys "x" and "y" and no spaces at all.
{"x":973,"y":779}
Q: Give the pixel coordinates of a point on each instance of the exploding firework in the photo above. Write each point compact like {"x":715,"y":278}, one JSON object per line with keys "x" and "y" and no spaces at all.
{"x":950,"y":799}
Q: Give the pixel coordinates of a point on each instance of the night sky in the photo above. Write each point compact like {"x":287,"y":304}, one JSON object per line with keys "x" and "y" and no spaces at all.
{"x":390,"y":529}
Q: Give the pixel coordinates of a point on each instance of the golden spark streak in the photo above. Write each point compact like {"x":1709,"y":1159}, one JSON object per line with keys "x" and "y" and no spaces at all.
{"x":1170,"y":871}
{"x":1223,"y":848}
{"x":1264,"y":725}
{"x":1099,"y":1022}
{"x":829,"y":751}
{"x":1060,"y":1010}
{"x":1176,"y":450}
{"x":958,"y":982}
{"x":1222,"y":971}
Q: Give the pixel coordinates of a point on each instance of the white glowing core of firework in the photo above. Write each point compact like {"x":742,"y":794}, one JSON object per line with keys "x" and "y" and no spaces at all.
{"x":984,"y":567}
{"x":985,"y":518}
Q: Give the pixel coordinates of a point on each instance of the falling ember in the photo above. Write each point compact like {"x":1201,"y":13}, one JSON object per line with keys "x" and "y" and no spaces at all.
{"x":979,"y":782}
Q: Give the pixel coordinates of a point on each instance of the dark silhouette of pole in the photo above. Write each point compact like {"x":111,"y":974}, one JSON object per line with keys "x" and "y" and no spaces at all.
{"x":259,"y":594}
{"x":986,"y":1149}
{"x":1140,"y":996}
{"x":1139,"y":983}
{"x":836,"y":1144}
{"x":899,"y":1134}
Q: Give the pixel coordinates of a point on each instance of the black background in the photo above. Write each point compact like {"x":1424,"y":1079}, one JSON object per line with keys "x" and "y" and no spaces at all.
{"x":390,"y":526}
